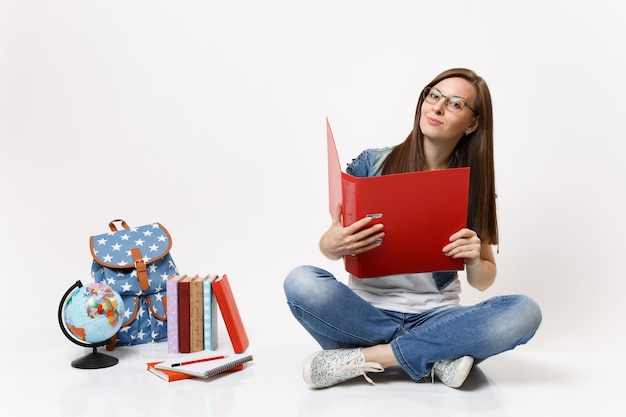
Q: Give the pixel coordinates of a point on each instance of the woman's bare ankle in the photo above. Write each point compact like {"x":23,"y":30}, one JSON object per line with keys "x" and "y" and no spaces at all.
{"x":382,"y":354}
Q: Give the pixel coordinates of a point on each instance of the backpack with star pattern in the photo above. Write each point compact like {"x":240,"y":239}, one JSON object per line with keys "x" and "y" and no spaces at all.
{"x":136,"y":262}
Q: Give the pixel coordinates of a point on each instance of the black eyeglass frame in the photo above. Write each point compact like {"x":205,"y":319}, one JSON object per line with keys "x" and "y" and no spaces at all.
{"x":426,"y":94}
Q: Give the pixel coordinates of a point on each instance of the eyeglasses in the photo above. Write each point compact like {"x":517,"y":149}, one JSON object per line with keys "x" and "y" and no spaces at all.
{"x":452,"y":103}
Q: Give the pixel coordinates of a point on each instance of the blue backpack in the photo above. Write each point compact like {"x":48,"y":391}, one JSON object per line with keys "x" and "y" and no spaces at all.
{"x":135,"y":262}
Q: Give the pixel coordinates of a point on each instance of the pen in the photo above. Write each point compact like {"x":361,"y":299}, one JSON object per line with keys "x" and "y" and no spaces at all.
{"x":198,"y":361}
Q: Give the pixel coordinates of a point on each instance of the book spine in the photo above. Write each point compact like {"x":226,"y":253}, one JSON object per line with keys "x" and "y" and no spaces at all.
{"x":210,"y":315}
{"x":171,"y":287}
{"x":196,"y":321}
{"x":230,"y":314}
{"x":183,"y":316}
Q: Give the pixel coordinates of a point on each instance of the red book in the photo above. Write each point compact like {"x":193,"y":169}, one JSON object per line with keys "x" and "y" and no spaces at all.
{"x":184,"y":313}
{"x":230,"y":313}
{"x":420,"y":211}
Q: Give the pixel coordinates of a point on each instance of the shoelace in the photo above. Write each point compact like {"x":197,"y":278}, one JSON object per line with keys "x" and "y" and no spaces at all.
{"x":362,"y":368}
{"x":432,"y":372}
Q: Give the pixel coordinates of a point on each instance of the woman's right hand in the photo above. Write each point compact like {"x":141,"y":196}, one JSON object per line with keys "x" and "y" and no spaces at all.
{"x":339,"y":241}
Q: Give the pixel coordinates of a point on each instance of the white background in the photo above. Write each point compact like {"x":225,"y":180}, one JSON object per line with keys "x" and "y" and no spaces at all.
{"x":209,"y":118}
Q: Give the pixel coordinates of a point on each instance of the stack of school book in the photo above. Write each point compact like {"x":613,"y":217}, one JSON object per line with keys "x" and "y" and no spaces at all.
{"x":192,"y":312}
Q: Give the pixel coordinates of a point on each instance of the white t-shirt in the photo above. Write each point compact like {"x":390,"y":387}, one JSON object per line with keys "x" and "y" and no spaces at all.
{"x":406,"y":293}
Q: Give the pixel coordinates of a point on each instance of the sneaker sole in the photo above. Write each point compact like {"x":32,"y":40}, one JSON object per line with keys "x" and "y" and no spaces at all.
{"x":307,"y":367}
{"x":462,"y":371}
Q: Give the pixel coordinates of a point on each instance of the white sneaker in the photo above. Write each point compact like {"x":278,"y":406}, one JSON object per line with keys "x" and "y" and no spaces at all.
{"x":329,"y":367}
{"x":453,"y":372}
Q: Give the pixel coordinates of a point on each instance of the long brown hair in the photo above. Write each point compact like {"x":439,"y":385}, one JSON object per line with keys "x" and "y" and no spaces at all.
{"x":474,"y":150}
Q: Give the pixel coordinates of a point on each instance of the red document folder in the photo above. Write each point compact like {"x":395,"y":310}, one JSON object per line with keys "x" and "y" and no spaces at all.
{"x":420,"y":211}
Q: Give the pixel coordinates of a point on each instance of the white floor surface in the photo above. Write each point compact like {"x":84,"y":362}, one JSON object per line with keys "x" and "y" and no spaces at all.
{"x":522,"y":382}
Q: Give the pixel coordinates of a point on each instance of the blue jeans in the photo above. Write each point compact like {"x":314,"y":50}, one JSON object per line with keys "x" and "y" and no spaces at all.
{"x":338,"y":318}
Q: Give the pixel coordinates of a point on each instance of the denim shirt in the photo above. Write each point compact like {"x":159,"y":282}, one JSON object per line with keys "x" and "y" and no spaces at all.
{"x":369,"y":164}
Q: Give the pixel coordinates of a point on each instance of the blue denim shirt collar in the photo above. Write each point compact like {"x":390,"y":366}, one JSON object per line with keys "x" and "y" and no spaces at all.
{"x":369,"y":163}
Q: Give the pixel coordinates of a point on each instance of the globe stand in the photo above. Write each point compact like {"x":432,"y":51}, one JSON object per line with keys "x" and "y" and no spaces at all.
{"x":93,"y":360}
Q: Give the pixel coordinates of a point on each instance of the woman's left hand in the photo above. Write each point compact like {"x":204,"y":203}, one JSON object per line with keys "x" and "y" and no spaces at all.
{"x":464,"y":244}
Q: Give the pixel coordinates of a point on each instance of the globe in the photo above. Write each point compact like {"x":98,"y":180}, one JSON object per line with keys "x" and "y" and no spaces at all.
{"x":89,"y":315}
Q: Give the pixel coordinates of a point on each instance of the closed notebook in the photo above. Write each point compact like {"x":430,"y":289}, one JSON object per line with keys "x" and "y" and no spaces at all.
{"x":166,"y":374}
{"x":205,"y":364}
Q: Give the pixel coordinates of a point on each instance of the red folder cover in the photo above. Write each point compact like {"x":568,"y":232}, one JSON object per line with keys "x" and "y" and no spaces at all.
{"x":420,"y":211}
{"x":230,"y":313}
